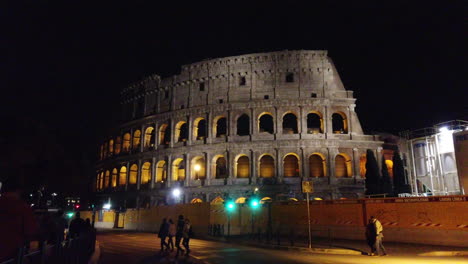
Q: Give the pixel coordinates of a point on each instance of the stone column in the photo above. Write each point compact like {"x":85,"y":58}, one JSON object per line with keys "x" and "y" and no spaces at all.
{"x":328,"y":126}
{"x":279,"y":166}
{"x":156,"y":136}
{"x":142,"y":138}
{"x":278,"y":127}
{"x":378,"y":157}
{"x":208,"y":168}
{"x":332,"y":152}
{"x":305,"y":169}
{"x":139,"y":174}
{"x":303,"y":122}
{"x":153,"y":172}
{"x":169,"y":170}
{"x":253,"y":123}
{"x":189,"y":129}
{"x":188,"y":168}
{"x":253,"y":167}
{"x":356,"y":163}
{"x":209,"y":127}
{"x":230,"y":167}
{"x":172,"y":126}
{"x":127,"y":176}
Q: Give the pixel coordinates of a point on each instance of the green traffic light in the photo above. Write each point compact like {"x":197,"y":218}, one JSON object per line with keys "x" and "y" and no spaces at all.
{"x":230,"y":206}
{"x":70,"y":214}
{"x":254,"y":203}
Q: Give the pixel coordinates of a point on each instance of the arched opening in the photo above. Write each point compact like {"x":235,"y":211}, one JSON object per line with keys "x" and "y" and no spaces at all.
{"x":220,"y":127}
{"x":199,"y":128}
{"x":181,"y":132}
{"x":118,"y":145}
{"x":266,"y":200}
{"x":123,"y":176}
{"x":290,"y":124}
{"x":342,"y":166}
{"x":389,"y":164}
{"x":265,"y":123}
{"x":136,"y":139}
{"x":243,"y":125}
{"x":105,"y":150}
{"x":198,"y":168}
{"x":126,"y":142}
{"x":111,"y":147}
{"x":196,"y":200}
{"x":146,"y":173}
{"x":217,"y":200}
{"x":240,"y":200}
{"x":149,"y":137}
{"x":267,"y":166}
{"x":243,"y":167}
{"x":291,"y":166}
{"x":164,"y":134}
{"x":314,"y":123}
{"x":133,"y":174}
{"x":101,"y":180}
{"x":161,"y":171}
{"x":220,"y":167}
{"x":317,"y":166}
{"x":362,"y":165}
{"x":339,"y":123}
{"x":106,"y":179}
{"x":114,"y":178}
{"x":178,"y":170}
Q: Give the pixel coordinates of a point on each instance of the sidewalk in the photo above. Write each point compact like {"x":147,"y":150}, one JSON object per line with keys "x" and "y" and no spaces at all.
{"x":349,"y":247}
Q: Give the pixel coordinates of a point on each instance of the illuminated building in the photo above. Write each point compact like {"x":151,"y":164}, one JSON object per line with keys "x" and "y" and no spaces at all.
{"x":223,"y":127}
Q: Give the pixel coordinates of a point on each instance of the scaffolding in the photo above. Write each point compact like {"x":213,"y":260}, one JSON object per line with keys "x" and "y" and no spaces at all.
{"x":432,"y":159}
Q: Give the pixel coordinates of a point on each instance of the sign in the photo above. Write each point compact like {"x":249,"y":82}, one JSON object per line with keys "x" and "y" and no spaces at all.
{"x":307,"y":187}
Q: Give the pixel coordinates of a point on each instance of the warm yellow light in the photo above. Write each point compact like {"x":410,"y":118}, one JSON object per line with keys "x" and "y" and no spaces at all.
{"x":197,"y":167}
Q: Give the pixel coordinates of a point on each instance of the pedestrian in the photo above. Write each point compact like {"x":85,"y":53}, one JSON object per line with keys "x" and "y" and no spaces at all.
{"x":370,"y":236}
{"x":171,"y":234}
{"x":17,"y":222}
{"x":187,"y":234}
{"x":60,"y":224}
{"x":179,"y":234}
{"x":76,"y":226}
{"x":378,"y":245}
{"x":163,"y":232}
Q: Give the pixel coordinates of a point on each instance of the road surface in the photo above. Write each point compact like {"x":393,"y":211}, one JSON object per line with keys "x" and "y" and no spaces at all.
{"x":142,"y":248}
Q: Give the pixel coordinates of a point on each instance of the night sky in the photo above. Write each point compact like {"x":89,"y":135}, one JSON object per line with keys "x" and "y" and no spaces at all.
{"x":63,"y":66}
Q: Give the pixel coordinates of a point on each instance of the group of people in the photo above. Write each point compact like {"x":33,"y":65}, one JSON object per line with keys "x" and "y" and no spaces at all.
{"x":374,"y":237}
{"x":182,"y":231}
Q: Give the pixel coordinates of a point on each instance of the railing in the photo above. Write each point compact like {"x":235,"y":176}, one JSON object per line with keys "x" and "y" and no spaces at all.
{"x":70,"y":251}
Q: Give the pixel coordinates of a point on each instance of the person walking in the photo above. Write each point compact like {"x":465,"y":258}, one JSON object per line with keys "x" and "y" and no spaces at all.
{"x":370,"y":236}
{"x":378,"y":245}
{"x":179,"y":234}
{"x":76,"y":226}
{"x":187,"y":234}
{"x":163,"y":231}
{"x":171,"y":234}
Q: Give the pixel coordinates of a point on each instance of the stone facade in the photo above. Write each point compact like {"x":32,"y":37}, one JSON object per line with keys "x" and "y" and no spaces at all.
{"x":265,"y":120}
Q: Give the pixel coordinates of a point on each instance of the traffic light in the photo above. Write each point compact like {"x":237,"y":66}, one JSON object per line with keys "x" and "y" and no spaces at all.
{"x":77,"y":206}
{"x":70,"y":214}
{"x":254,"y":202}
{"x":230,"y":205}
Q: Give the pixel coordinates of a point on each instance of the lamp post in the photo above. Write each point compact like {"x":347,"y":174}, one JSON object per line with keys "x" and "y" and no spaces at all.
{"x":176,"y":193}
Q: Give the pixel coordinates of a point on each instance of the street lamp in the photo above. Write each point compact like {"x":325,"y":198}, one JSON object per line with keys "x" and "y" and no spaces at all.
{"x":176,"y":193}
{"x":197,"y":168}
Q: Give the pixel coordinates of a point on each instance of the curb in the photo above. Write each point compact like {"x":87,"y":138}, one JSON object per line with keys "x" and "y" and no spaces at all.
{"x":444,"y":254}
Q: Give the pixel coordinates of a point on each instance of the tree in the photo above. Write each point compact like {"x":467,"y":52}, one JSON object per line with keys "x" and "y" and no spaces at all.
{"x":387,"y":185}
{"x":399,"y":182}
{"x":372,"y":173}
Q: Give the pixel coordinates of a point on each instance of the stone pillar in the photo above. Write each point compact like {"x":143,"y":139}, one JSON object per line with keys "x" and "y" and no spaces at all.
{"x":279,"y":166}
{"x":189,"y":129}
{"x":328,"y":126}
{"x":153,"y":172}
{"x":169,"y":170}
{"x":303,"y":122}
{"x":142,"y":138}
{"x":253,"y":167}
{"x":209,"y":127}
{"x":230,"y":167}
{"x":304,"y":161}
{"x":356,"y":163}
{"x":378,"y":157}
{"x":332,"y":152}
{"x":172,"y":126}
{"x":208,"y":168}
{"x":128,"y":175}
{"x":278,"y":127}
{"x":139,"y":174}
{"x":188,"y":168}
{"x":156,"y":136}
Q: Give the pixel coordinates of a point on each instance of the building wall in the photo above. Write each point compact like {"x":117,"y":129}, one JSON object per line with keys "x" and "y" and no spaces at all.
{"x":460,"y":140}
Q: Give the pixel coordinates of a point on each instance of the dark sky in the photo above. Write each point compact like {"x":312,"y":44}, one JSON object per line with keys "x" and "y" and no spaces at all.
{"x":63,"y":66}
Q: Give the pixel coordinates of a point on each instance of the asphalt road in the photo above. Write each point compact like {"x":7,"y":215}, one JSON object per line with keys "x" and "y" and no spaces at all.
{"x":142,"y":248}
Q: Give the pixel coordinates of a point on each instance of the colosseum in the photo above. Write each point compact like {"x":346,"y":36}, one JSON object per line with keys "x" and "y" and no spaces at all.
{"x":231,"y":127}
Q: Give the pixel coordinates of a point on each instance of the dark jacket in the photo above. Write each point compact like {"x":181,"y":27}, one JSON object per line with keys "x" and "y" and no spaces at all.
{"x":180,"y":228}
{"x":163,"y":229}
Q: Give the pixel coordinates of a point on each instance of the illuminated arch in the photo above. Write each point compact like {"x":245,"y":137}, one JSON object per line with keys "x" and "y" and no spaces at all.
{"x":133,"y":174}
{"x":118,"y":145}
{"x":339,"y":123}
{"x":136,"y":139}
{"x":199,"y":128}
{"x":146,"y":173}
{"x":114,"y":178}
{"x":314,"y":122}
{"x":101,"y":180}
{"x":161,"y":171}
{"x":178,"y":169}
{"x":290,"y":125}
{"x":362,"y":165}
{"x":111,"y":147}
{"x":242,"y":168}
{"x":126,"y":142}
{"x":291,"y":165}
{"x":240,"y":200}
{"x":149,"y":137}
{"x":106,"y":179}
{"x":267,"y":166}
{"x":266,"y":123}
{"x":181,"y":132}
{"x":266,"y":200}
{"x":219,"y":167}
{"x":389,"y":164}
{"x":220,"y":126}
{"x":198,"y":161}
{"x":343,"y":166}
{"x":243,"y":125}
{"x":196,"y":200}
{"x":217,"y":200}
{"x":164,"y":134}
{"x":317,"y":165}
{"x":123,"y":176}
